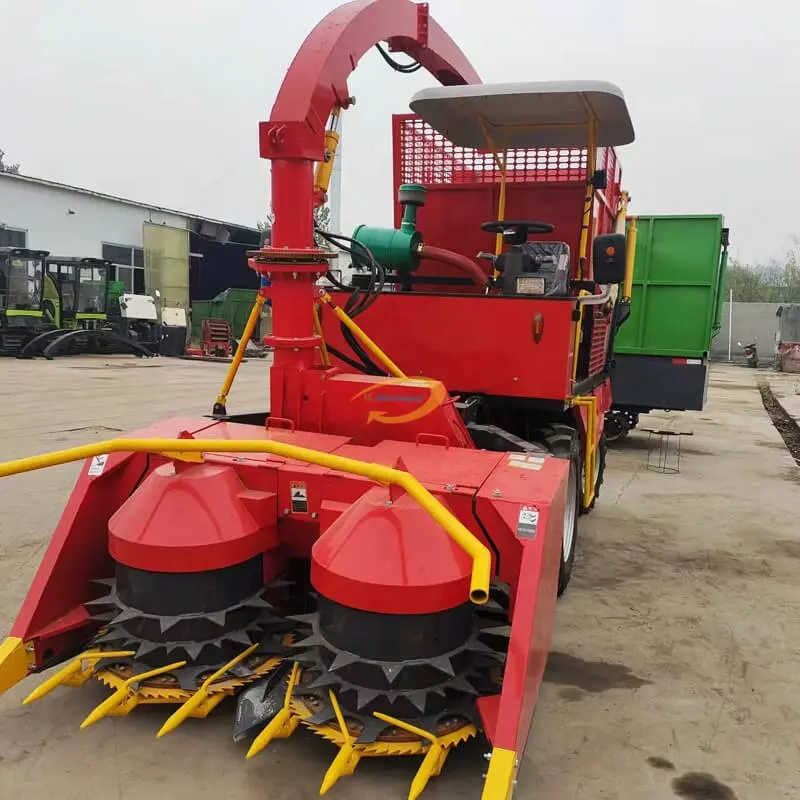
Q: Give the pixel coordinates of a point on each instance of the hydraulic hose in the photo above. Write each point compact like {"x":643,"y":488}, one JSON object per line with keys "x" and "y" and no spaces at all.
{"x":479,"y":278}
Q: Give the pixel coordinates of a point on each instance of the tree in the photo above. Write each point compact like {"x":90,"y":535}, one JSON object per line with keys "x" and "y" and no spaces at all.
{"x":13,"y":169}
{"x":772,"y":282}
{"x":322,"y":221}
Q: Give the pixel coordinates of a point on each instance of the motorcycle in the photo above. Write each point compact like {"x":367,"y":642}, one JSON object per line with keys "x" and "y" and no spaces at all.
{"x":750,"y":354}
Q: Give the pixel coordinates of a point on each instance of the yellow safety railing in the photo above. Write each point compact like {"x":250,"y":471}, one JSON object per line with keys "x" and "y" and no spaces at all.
{"x":193,"y":449}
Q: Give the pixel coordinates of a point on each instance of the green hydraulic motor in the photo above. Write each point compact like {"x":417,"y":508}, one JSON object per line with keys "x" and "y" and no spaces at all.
{"x":397,"y":248}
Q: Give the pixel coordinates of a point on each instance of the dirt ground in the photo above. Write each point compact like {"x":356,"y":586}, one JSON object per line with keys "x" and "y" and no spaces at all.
{"x":675,"y":668}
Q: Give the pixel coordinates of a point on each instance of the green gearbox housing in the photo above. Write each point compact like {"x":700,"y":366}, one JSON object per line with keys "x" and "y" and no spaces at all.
{"x":397,"y":248}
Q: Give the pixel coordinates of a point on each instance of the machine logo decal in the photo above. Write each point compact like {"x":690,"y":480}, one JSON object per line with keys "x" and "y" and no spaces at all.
{"x":97,"y":466}
{"x":385,"y":392}
{"x":527,"y":522}
{"x":521,"y":461}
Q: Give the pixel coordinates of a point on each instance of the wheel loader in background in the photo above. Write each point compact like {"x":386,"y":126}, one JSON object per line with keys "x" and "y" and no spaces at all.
{"x":22,"y":298}
{"x":377,"y":558}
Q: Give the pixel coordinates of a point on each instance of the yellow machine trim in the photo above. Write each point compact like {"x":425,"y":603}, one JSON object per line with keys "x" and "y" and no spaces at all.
{"x":500,"y":778}
{"x":323,"y":348}
{"x":590,"y":459}
{"x":126,"y":697}
{"x":247,"y":334}
{"x":202,"y":701}
{"x":15,"y":662}
{"x":373,"y":348}
{"x":434,"y":749}
{"x":630,"y":259}
{"x":324,"y":168}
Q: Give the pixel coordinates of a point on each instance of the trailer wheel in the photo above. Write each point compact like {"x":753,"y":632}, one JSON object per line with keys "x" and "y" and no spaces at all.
{"x":562,"y":441}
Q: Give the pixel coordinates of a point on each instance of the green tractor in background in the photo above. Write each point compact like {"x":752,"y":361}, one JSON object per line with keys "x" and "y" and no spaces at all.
{"x":29,"y":303}
{"x":78,"y":293}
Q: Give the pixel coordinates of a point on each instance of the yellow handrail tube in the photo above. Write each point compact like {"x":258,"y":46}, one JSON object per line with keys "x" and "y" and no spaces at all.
{"x":630,"y":260}
{"x":481,"y":560}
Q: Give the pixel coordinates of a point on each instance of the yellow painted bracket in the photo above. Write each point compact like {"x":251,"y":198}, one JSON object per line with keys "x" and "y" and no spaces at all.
{"x":247,"y":334}
{"x":458,"y":532}
{"x":126,"y":698}
{"x":434,"y":759}
{"x":15,"y":662}
{"x":590,"y":457}
{"x":373,"y":348}
{"x":630,"y":259}
{"x":283,"y":724}
{"x":347,"y":758}
{"x":501,"y":776}
{"x":201,"y":702}
{"x":76,"y":673}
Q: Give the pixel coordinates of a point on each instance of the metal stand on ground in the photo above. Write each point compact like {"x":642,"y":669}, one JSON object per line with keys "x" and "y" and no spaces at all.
{"x":664,"y":450}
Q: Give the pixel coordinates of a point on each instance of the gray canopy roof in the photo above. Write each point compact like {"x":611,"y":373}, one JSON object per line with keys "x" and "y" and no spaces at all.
{"x":527,"y":115}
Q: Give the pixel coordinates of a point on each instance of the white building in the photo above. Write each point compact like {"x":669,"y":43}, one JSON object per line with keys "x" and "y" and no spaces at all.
{"x":151,"y":247}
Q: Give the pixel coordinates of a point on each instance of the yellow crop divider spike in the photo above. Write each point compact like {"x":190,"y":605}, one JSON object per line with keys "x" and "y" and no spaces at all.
{"x":126,"y":698}
{"x":76,"y":673}
{"x":347,"y":758}
{"x":283,"y":724}
{"x":201,"y":703}
{"x":434,"y":759}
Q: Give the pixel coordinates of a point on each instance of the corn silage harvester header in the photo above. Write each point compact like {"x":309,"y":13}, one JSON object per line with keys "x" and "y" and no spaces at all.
{"x":377,"y":559}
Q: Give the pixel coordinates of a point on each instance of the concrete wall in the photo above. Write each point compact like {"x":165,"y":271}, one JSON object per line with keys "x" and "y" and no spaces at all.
{"x":751,"y":322}
{"x":43,"y":211}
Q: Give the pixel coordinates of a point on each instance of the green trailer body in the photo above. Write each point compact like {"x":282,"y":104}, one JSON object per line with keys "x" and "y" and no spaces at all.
{"x":661,"y":350}
{"x":678,"y":290}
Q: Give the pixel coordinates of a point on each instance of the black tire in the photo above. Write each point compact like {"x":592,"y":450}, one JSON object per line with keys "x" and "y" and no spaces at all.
{"x":562,"y":441}
{"x":602,"y":451}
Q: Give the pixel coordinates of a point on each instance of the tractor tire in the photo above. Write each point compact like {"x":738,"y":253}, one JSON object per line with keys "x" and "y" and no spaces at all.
{"x":600,"y":472}
{"x":562,"y":441}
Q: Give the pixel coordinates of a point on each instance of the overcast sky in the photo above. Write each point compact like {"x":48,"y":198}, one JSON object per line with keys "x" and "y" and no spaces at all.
{"x":160,"y":100}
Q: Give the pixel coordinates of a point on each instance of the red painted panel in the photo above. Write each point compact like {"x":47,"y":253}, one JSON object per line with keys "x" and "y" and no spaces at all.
{"x":472,"y":344}
{"x":534,"y":588}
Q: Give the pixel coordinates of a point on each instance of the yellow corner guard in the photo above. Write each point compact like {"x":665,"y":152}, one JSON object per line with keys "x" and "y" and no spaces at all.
{"x":501,"y":777}
{"x":481,"y":560}
{"x":15,"y":662}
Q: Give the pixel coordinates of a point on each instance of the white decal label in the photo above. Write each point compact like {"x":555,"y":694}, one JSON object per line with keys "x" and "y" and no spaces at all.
{"x":97,"y":466}
{"x":299,"y":498}
{"x":527,"y":522}
{"x":522,"y":461}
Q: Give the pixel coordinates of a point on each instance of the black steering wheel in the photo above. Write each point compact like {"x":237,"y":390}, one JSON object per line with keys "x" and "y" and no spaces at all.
{"x":519,"y":230}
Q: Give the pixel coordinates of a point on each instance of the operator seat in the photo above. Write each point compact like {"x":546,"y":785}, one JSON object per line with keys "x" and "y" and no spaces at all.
{"x":546,"y":260}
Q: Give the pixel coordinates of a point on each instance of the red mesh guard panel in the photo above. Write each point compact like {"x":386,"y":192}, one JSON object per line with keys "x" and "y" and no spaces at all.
{"x":463,"y":190}
{"x":597,"y":353}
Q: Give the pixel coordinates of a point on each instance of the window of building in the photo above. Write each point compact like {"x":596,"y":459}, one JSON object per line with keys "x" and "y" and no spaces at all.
{"x":128,"y":264}
{"x":13,"y":237}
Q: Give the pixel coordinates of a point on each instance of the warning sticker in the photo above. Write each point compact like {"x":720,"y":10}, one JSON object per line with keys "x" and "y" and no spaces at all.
{"x":97,"y":465}
{"x":299,"y":498}
{"x":523,"y":461}
{"x":527,"y":522}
